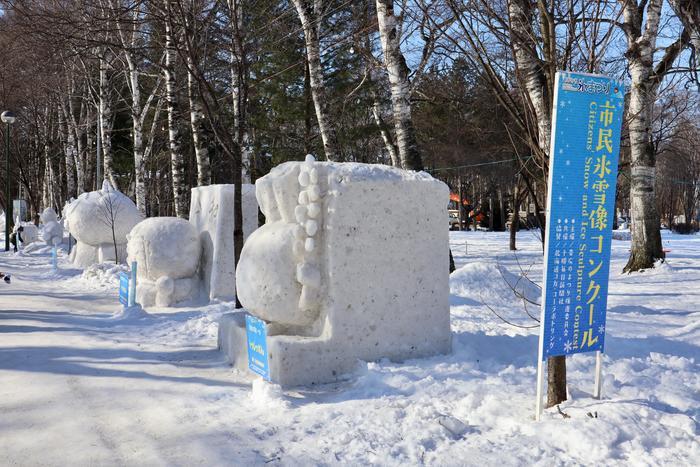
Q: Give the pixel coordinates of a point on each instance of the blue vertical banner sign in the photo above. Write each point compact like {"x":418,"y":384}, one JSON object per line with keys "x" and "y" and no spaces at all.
{"x":584,"y":152}
{"x":256,"y":331}
{"x":585,"y":148}
{"x":124,"y":288}
{"x":54,"y":258}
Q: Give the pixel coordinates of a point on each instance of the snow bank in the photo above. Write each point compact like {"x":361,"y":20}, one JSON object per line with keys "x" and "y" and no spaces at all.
{"x":105,"y":275}
{"x":167,"y":251}
{"x":211,"y":214}
{"x":350,"y":264}
{"x":91,"y":219}
{"x":492,"y":283}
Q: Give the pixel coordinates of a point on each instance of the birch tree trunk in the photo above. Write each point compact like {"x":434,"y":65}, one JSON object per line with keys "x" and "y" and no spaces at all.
{"x":105,"y":121}
{"x":68,"y":150}
{"x":137,"y":139}
{"x":201,"y":146}
{"x":400,"y":86}
{"x":177,"y":158}
{"x":384,"y":132}
{"x":532,"y":77}
{"x":531,"y":70}
{"x":688,"y":12}
{"x":310,"y":14}
{"x":239,"y":87}
{"x":641,"y":37}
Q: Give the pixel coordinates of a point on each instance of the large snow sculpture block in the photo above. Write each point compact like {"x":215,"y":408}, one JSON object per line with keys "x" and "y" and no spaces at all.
{"x":167,"y":252}
{"x":211,"y":214}
{"x":352,"y":264}
{"x":98,"y":220}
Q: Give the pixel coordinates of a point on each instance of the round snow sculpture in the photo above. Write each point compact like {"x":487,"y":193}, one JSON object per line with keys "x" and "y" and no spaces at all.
{"x":30,"y":233}
{"x":167,"y":251}
{"x":100,"y":221}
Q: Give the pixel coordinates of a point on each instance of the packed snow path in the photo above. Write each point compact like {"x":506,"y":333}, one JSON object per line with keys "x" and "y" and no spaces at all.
{"x":82,"y":383}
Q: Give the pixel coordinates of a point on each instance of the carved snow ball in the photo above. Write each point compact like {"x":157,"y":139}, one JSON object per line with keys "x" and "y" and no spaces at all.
{"x":167,"y":251}
{"x":164,"y":246}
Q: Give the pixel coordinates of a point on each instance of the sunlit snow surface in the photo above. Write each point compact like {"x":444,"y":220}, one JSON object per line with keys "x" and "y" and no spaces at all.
{"x":84,"y":383}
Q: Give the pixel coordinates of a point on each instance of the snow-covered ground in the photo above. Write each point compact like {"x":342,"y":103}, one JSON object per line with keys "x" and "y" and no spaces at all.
{"x":82,"y":383}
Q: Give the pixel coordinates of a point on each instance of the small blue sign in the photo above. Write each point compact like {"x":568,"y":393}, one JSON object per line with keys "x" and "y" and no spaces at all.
{"x":124,"y":288}
{"x":54,"y":258}
{"x":587,"y":120}
{"x":256,"y":330}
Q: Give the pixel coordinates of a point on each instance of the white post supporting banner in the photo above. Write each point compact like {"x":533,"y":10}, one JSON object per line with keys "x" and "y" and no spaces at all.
{"x":132,"y":285}
{"x":540,"y":387}
{"x":598,"y":374}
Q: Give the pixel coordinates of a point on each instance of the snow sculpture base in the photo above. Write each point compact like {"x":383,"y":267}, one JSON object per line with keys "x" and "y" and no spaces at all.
{"x":211,"y":214}
{"x":352,"y":264}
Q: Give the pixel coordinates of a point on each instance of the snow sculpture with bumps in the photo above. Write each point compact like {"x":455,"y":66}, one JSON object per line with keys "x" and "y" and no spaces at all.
{"x":167,"y":251}
{"x":350,"y":265}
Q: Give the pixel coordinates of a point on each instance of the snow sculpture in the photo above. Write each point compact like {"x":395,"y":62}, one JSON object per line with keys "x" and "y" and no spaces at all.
{"x":211,"y":214}
{"x":351,"y":264}
{"x":53,"y":230}
{"x":98,"y":220}
{"x":30,"y":233}
{"x":167,"y":250}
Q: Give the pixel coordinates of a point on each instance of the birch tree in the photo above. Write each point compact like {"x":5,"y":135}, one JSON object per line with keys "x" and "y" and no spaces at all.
{"x":311,"y":16}
{"x":129,"y":25}
{"x":106,"y":116}
{"x":640,"y":24}
{"x":400,"y":85}
{"x":177,"y":158}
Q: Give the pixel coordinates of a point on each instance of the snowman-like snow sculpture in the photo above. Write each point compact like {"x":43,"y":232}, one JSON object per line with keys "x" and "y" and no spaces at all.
{"x":53,"y":230}
{"x":99,"y":221}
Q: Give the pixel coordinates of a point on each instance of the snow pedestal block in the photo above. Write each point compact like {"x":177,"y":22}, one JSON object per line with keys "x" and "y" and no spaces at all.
{"x":167,"y":251}
{"x":352,"y":264}
{"x":211,"y":214}
{"x":99,"y":221}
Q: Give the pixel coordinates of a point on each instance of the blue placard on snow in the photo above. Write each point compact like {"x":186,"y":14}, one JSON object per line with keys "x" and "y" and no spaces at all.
{"x":256,"y":330}
{"x":587,"y":120}
{"x":123,"y":288}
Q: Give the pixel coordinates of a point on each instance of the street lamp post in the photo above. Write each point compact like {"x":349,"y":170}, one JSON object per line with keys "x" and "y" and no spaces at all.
{"x":8,"y":118}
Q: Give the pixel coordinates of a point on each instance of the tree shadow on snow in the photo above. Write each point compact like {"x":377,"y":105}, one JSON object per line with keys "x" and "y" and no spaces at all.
{"x":103,"y":363}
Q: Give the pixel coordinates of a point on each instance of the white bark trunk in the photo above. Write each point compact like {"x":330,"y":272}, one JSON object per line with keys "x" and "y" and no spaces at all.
{"x":239,"y":88}
{"x":69,"y":151}
{"x":384,"y":132}
{"x":197,"y":123}
{"x":390,"y":34}
{"x":105,"y":121}
{"x":177,"y":158}
{"x":646,"y":228}
{"x":137,"y":139}
{"x":310,"y":16}
{"x":530,"y":70}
